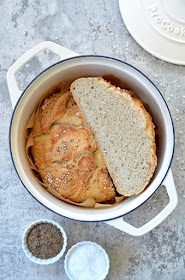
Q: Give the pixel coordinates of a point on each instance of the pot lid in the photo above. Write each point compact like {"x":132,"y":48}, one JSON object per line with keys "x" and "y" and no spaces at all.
{"x":158,"y":26}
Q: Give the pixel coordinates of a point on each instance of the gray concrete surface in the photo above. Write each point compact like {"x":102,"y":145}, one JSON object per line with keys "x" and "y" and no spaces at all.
{"x":87,"y":27}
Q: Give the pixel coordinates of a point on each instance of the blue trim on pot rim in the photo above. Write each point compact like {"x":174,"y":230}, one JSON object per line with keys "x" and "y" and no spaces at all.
{"x":87,"y":56}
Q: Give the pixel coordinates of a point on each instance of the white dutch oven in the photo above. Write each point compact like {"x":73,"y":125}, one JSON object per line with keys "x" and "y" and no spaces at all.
{"x":68,"y":69}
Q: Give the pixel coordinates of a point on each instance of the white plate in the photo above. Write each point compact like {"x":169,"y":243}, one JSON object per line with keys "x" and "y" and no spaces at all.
{"x":158,"y":26}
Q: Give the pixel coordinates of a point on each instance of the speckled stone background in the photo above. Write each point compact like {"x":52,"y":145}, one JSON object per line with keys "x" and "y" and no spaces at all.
{"x":87,"y":27}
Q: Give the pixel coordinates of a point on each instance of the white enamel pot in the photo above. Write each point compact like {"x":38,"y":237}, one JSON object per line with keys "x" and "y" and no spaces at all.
{"x":68,"y":69}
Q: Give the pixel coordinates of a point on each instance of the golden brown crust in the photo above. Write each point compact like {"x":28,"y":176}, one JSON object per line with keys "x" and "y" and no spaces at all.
{"x":51,"y":109}
{"x":149,"y":127}
{"x":66,"y":155}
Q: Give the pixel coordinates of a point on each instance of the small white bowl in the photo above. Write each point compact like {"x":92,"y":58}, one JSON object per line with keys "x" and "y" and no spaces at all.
{"x":29,"y":254}
{"x":71,"y":274}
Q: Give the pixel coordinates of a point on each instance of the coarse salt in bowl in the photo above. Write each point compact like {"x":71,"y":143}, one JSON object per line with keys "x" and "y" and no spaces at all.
{"x":38,"y":260}
{"x":86,"y":261}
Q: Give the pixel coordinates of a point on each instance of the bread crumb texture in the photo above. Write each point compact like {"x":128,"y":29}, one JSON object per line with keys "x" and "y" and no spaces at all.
{"x":123,"y":131}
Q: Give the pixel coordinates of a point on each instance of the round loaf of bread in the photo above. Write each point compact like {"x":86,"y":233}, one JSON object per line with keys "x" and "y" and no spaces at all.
{"x":66,"y":154}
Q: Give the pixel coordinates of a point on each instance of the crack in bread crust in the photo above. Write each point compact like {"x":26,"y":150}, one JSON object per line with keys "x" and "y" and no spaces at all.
{"x":66,"y":154}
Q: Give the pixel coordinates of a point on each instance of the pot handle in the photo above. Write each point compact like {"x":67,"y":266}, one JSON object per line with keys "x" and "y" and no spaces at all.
{"x":14,"y":90}
{"x":172,"y":193}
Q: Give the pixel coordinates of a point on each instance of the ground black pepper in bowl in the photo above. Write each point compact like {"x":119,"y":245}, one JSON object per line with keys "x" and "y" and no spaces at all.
{"x":45,"y":241}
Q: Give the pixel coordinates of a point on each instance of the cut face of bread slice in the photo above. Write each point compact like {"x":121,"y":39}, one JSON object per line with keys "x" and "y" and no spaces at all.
{"x":123,"y":131}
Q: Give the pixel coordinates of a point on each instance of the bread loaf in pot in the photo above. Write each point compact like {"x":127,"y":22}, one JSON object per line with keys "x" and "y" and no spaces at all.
{"x":65,"y":152}
{"x":68,"y":71}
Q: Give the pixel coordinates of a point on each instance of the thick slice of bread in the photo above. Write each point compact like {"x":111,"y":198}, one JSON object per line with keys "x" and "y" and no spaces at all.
{"x":123,"y":130}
